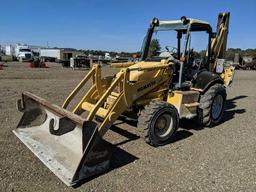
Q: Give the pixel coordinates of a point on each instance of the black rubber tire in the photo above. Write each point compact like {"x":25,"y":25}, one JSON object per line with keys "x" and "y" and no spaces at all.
{"x":205,"y":117}
{"x":149,"y":116}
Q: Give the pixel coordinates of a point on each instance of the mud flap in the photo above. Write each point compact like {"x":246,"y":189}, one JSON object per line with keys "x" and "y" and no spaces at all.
{"x":67,"y":144}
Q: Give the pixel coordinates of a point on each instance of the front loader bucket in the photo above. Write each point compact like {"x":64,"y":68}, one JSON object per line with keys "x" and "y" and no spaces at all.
{"x":67,"y":144}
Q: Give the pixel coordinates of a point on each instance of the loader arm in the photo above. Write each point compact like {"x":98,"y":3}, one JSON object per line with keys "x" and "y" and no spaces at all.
{"x":73,"y":146}
{"x":121,"y":90}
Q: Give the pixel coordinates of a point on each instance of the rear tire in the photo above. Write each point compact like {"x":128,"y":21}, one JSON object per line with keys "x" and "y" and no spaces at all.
{"x":212,"y":105}
{"x":158,"y":123}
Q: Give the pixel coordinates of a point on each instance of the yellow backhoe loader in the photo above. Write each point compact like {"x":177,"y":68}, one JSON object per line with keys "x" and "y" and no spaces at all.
{"x":158,"y":89}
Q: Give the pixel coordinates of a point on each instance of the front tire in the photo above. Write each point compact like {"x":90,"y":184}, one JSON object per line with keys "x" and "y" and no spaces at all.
{"x":212,"y":104}
{"x":158,"y":123}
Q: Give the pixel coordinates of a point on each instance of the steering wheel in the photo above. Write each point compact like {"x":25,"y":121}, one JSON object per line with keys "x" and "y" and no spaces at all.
{"x":171,"y":49}
{"x":197,"y":63}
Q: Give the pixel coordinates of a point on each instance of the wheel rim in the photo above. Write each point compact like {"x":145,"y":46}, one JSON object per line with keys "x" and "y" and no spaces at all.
{"x":217,"y":106}
{"x":163,"y":125}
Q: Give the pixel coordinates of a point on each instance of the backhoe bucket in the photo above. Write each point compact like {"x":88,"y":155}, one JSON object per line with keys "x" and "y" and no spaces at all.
{"x":67,"y":144}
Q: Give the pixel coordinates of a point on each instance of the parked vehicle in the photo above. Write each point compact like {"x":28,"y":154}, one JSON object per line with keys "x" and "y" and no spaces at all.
{"x":23,"y":53}
{"x":19,"y":52}
{"x":57,"y":55}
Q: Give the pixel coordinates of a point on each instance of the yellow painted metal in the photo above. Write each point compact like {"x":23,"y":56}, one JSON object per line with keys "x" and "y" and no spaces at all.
{"x":151,"y":69}
{"x":219,"y":43}
{"x":87,"y":97}
{"x":138,"y":83}
{"x":228,"y":75}
{"x":89,"y":107}
{"x":96,"y":90}
{"x":159,"y":94}
{"x":196,"y":89}
{"x":186,"y":102}
{"x":78,"y":87}
{"x":122,"y":65}
{"x":142,"y":84}
{"x":115,"y":111}
{"x":104,"y":97}
{"x":175,"y":98}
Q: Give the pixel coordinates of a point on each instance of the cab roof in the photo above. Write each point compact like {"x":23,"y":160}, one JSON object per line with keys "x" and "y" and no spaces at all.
{"x":178,"y":25}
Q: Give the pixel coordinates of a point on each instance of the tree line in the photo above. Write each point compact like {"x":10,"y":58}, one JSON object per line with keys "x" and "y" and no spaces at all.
{"x":112,"y":53}
{"x":230,"y":53}
{"x":155,"y":47}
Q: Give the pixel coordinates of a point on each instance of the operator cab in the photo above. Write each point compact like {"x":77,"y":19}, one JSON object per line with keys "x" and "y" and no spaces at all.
{"x":175,"y":45}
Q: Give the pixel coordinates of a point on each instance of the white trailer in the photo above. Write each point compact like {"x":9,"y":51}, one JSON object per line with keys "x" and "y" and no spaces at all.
{"x":57,"y":54}
{"x":50,"y":53}
{"x":10,"y":50}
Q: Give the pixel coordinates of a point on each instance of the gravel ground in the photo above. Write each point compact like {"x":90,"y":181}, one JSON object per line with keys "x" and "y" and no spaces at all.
{"x":222,"y":158}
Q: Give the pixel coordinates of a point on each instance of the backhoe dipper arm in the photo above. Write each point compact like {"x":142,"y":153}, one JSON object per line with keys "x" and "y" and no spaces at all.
{"x":219,"y":42}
